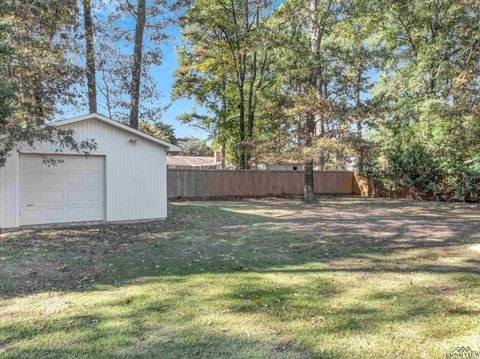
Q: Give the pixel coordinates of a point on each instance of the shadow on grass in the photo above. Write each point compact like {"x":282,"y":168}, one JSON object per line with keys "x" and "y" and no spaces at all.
{"x":240,"y":249}
{"x":125,"y":328}
{"x":253,"y":236}
{"x":139,"y":326}
{"x":209,"y":346}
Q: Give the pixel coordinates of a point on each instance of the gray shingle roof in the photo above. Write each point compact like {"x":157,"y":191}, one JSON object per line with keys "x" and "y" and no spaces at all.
{"x":190,"y":161}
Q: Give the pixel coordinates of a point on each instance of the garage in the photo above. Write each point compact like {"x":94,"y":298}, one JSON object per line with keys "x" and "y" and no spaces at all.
{"x":123,"y":179}
{"x":72,"y":189}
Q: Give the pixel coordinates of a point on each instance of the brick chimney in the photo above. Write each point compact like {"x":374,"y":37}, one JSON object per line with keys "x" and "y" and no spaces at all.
{"x":218,"y":156}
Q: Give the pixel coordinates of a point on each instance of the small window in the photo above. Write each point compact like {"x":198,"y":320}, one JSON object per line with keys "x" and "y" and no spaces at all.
{"x":295,"y":168}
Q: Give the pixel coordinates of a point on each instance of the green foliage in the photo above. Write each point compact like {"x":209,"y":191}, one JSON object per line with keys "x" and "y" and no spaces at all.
{"x":192,"y":146}
{"x":413,"y":167}
{"x":37,"y":72}
{"x":320,"y":59}
{"x":224,"y":62}
{"x":159,"y":130}
{"x":429,"y":121}
{"x":7,"y":93}
{"x":388,"y":86}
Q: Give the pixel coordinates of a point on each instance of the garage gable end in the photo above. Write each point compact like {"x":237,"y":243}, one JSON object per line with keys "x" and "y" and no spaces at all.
{"x":96,"y":117}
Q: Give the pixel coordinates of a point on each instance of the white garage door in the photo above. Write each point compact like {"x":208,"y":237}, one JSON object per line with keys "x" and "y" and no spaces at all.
{"x":71,"y":190}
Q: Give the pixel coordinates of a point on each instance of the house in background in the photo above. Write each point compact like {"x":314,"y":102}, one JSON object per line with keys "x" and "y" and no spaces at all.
{"x":195,"y":162}
{"x":281,"y":166}
{"x":215,"y":163}
{"x":123,"y":179}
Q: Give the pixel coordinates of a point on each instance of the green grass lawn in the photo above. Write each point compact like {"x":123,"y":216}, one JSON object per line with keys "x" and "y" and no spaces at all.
{"x":349,"y":278}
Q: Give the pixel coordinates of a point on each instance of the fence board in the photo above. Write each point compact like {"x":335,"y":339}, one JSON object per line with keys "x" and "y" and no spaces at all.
{"x":219,"y":183}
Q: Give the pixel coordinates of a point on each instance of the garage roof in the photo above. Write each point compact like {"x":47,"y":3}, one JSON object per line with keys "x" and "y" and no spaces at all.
{"x":95,"y":116}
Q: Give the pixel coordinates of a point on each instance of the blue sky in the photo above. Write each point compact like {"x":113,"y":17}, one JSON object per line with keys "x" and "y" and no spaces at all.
{"x":163,"y":76}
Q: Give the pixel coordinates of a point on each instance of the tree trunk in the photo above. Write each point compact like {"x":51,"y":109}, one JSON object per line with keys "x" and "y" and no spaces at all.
{"x":316,"y":79}
{"x":38,"y":99}
{"x":251,"y":94}
{"x":358,"y":105}
{"x":243,"y":158}
{"x":106,"y":93}
{"x":308,"y":185}
{"x":90,"y":57}
{"x":141,"y":16}
{"x":222,"y":124}
{"x":361,"y":161}
{"x":250,"y":108}
{"x":241,"y":107}
{"x":222,"y":155}
{"x":320,"y":132}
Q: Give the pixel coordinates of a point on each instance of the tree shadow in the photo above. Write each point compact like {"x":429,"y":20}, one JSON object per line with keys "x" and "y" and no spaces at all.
{"x":122,"y":326}
{"x":254,"y":236}
{"x":210,"y":346}
{"x":241,"y":247}
{"x":93,"y":336}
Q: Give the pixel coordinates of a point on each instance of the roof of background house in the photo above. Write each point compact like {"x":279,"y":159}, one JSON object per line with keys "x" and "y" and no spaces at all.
{"x":190,"y":161}
{"x":281,"y":163}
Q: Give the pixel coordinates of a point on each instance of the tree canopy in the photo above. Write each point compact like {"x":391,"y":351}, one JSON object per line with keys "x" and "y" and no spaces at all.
{"x":38,"y":72}
{"x":389,"y":88}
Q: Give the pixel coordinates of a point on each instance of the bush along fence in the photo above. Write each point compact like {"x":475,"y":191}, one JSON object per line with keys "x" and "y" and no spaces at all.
{"x":204,"y":184}
{"x":374,"y":187}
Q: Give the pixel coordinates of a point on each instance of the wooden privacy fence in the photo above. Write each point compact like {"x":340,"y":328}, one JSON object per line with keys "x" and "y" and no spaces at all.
{"x":224,"y":184}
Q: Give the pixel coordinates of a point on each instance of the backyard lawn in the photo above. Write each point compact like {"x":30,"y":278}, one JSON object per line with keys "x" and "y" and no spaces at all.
{"x":349,"y":278}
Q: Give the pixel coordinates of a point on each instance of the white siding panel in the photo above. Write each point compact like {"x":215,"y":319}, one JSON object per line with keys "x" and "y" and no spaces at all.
{"x":136,"y":185}
{"x":9,"y":192}
{"x":3,"y":199}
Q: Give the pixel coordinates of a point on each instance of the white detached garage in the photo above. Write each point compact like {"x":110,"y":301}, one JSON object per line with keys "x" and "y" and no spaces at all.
{"x":123,"y":179}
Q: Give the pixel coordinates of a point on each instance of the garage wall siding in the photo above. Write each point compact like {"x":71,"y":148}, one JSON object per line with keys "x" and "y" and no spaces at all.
{"x":136,"y":177}
{"x":10,"y":192}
